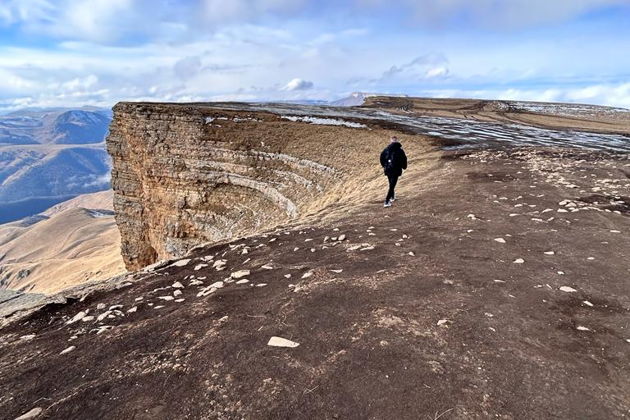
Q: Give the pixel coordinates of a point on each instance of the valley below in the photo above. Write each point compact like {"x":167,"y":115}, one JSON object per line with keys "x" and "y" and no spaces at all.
{"x":266,"y":280}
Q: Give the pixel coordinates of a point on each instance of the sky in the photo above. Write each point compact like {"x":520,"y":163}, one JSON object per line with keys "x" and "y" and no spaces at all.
{"x":98,"y":52}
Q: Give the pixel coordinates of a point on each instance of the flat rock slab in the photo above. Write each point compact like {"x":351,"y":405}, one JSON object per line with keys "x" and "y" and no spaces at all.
{"x":281,"y":342}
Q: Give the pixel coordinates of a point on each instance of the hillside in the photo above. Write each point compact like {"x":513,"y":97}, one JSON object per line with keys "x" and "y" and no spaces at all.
{"x":496,"y":286}
{"x":49,"y":156}
{"x":71,"y":243}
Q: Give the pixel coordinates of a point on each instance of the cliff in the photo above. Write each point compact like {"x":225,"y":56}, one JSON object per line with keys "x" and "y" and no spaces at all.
{"x":185,"y":175}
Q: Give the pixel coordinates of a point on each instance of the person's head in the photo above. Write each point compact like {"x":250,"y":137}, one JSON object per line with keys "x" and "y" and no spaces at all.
{"x":393,"y":139}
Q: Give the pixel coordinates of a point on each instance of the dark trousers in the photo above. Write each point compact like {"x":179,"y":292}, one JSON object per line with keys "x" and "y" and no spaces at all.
{"x":393,"y":179}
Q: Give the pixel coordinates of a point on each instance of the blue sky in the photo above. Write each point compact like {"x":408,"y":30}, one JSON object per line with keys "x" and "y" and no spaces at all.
{"x":98,"y":52}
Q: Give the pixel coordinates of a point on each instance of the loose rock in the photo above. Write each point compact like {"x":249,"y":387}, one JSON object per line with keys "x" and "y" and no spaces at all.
{"x":282,"y":342}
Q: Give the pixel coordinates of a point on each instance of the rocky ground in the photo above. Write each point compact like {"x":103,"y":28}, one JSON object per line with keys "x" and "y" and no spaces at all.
{"x":496,"y":286}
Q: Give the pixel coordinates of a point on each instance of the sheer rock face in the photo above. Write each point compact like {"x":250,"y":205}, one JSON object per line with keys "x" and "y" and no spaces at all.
{"x":185,"y":175}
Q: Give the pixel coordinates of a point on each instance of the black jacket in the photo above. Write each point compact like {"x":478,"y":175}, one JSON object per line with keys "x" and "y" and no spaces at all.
{"x":398,"y":159}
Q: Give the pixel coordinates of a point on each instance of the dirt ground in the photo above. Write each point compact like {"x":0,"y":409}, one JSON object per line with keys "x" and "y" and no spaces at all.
{"x":496,"y":286}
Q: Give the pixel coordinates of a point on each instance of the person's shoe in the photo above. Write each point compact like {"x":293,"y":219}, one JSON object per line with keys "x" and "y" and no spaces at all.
{"x":388,"y":204}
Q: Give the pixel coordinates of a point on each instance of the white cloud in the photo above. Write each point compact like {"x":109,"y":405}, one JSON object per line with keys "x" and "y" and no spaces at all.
{"x":427,"y":66}
{"x":496,"y":14}
{"x":298,"y":84}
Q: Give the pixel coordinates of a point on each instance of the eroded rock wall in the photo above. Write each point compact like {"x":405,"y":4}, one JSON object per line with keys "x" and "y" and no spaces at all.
{"x":188,"y":174}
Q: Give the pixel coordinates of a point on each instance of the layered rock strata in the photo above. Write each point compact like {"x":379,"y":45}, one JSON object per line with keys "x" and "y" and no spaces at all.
{"x":188,"y":174}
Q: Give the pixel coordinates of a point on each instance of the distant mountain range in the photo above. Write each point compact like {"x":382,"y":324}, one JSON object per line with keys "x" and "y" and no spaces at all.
{"x":51,"y":155}
{"x":55,"y":126}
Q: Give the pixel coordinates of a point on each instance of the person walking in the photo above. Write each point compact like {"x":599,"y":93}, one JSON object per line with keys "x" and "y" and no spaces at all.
{"x":393,"y":161}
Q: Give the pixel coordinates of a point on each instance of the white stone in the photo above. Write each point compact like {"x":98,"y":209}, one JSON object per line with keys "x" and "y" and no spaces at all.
{"x":499,"y":240}
{"x":442,"y":322}
{"x":261,"y":284}
{"x":240,"y":274}
{"x":132,"y":309}
{"x":217,"y":284}
{"x":180,"y":300}
{"x":68,"y":350}
{"x":337,"y":271}
{"x":195,"y":283}
{"x":88,"y":319}
{"x":267,"y":267}
{"x":549,"y":253}
{"x":287,"y":276}
{"x":177,"y":292}
{"x":243,"y":281}
{"x":519,"y":261}
{"x":200,"y":266}
{"x":412,"y":254}
{"x":581,"y":328}
{"x":30,"y":414}
{"x":103,"y":315}
{"x":114,"y":307}
{"x":167,"y":298}
{"x":341,"y":237}
{"x":180,"y":263}
{"x":101,"y":306}
{"x":77,"y":317}
{"x":27,"y":337}
{"x":307,"y":274}
{"x":177,"y":285}
{"x":282,"y":342}
{"x":567,"y":289}
{"x":587,"y":303}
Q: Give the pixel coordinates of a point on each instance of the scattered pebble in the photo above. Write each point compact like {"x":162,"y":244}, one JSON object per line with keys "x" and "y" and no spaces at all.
{"x":581,"y":328}
{"x":100,"y":306}
{"x":240,"y":274}
{"x":282,"y":342}
{"x":27,"y":337}
{"x":442,"y":322}
{"x":132,"y":309}
{"x":77,"y":317}
{"x":307,"y":274}
{"x":261,"y":284}
{"x":177,"y":292}
{"x":567,"y":289}
{"x":550,"y":253}
{"x":267,"y":267}
{"x":337,"y":271}
{"x":177,"y":285}
{"x":499,"y":240}
{"x":411,"y":254}
{"x":167,"y":298}
{"x":519,"y":261}
{"x":180,"y":263}
{"x":30,"y":414}
{"x":587,"y":303}
{"x":243,"y":281}
{"x":287,"y":276}
{"x":68,"y":350}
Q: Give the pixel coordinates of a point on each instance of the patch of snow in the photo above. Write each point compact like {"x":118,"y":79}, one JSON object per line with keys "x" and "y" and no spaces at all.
{"x":323,"y":121}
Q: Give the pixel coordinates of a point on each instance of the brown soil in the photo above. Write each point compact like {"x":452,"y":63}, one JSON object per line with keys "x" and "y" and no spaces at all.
{"x":437,"y":321}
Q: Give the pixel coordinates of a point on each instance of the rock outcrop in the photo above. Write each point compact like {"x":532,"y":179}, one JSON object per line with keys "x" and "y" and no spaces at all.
{"x":185,"y":175}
